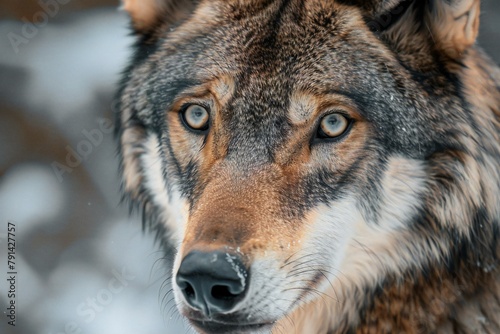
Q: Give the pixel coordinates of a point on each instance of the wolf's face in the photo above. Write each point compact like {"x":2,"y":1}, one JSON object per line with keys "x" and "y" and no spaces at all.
{"x":291,"y":152}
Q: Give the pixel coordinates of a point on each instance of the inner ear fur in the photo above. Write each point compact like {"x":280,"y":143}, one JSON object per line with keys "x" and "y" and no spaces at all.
{"x":146,"y":15}
{"x":451,"y":25}
{"x":454,"y":24}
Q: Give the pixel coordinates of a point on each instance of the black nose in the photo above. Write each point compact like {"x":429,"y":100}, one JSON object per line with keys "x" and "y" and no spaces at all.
{"x":212,"y":282}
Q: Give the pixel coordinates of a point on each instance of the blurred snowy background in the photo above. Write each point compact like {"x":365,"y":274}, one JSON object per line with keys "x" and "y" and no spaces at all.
{"x":83,"y":265}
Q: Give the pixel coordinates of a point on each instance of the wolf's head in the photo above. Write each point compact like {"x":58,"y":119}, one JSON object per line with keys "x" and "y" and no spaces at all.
{"x":300,"y":154}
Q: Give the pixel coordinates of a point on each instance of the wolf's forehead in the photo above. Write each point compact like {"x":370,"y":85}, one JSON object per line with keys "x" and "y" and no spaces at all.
{"x":272,"y":36}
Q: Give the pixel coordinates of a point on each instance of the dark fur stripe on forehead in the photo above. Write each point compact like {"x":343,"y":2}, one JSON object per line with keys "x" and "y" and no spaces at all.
{"x":270,"y":40}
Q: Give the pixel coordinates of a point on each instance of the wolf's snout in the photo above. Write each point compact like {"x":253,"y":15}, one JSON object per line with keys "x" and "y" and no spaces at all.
{"x":212,"y":282}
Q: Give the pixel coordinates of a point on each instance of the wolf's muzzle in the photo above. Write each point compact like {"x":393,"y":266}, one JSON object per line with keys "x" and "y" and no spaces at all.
{"x":212,"y":282}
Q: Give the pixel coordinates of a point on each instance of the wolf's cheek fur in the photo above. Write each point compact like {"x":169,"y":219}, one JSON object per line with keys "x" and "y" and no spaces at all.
{"x":350,"y":250}
{"x":173,"y":208}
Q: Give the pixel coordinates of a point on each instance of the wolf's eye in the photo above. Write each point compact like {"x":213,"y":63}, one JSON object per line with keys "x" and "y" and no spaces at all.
{"x":196,"y":117}
{"x":332,"y":126}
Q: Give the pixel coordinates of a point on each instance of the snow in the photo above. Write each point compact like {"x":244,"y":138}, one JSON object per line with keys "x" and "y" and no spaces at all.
{"x":239,"y":271}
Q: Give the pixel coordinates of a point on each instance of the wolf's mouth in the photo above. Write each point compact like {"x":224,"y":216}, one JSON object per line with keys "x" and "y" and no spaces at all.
{"x":214,"y":327}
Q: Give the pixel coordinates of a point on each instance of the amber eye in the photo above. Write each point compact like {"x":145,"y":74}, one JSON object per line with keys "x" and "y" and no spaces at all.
{"x":333,"y":126}
{"x":196,"y":117}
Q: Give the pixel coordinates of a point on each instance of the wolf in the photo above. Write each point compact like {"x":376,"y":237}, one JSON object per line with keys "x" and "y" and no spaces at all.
{"x":317,"y":166}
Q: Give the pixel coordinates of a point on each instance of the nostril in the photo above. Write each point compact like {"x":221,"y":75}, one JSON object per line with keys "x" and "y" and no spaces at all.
{"x":187,"y":288}
{"x":189,"y":291}
{"x":222,"y":292}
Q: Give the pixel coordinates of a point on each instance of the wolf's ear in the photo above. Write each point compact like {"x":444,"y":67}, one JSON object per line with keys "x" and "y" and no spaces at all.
{"x":452,"y":25}
{"x":148,"y":14}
